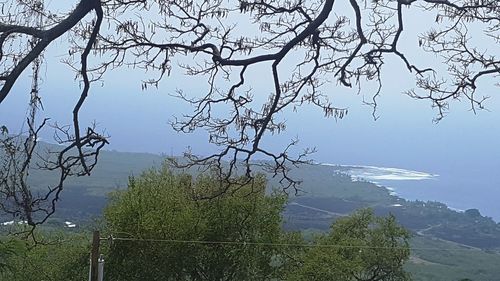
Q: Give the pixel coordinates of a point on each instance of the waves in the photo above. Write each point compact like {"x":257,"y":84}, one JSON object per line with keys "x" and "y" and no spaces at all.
{"x":372,"y":173}
{"x":382,"y":176}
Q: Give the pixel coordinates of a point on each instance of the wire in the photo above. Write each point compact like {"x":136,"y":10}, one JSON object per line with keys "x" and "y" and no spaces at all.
{"x":270,"y":244}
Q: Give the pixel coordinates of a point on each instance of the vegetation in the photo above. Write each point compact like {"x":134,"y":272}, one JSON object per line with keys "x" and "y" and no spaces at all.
{"x":303,"y":45}
{"x":432,"y":219}
{"x":438,"y":260}
{"x":162,"y":206}
{"x":65,"y":257}
{"x":364,"y":248}
{"x":332,"y":195}
{"x":8,"y":250}
{"x":168,"y":226}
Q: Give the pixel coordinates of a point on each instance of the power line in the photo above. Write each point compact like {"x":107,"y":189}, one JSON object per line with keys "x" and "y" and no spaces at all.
{"x":271,"y":244}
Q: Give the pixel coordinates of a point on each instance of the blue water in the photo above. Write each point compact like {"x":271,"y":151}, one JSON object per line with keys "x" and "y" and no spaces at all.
{"x":458,"y":192}
{"x":476,"y":189}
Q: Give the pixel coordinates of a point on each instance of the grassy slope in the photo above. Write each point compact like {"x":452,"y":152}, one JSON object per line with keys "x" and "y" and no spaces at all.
{"x":112,"y":172}
{"x":442,"y":261}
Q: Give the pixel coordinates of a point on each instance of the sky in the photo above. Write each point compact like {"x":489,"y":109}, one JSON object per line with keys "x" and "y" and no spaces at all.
{"x":403,"y":136}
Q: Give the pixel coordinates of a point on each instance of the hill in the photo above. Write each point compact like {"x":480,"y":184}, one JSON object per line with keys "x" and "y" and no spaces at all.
{"x":447,"y":244}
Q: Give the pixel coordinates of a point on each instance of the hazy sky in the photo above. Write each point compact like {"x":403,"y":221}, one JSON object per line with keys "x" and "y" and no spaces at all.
{"x":404,"y":135}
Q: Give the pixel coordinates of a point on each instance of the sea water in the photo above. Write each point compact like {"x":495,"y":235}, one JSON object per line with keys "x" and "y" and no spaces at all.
{"x":458,"y":190}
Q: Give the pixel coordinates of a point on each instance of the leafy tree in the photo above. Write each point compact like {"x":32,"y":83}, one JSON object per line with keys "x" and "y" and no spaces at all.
{"x":66,"y":257}
{"x":8,"y":251}
{"x":162,"y":212}
{"x":361,"y":247}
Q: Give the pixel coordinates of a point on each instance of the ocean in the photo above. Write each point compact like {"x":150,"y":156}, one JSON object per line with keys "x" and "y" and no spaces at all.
{"x":473,"y":189}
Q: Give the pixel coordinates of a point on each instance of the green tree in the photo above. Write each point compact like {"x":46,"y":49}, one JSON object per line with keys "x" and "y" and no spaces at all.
{"x":361,"y":247}
{"x":164,"y":210}
{"x":8,"y":251}
{"x":66,"y":258}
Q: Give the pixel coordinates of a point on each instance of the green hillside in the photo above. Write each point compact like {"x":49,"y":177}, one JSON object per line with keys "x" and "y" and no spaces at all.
{"x":448,"y":245}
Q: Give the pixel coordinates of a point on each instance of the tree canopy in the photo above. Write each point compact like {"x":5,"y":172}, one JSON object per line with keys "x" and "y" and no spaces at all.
{"x":160,"y":213}
{"x":167,"y":233}
{"x":365,"y":248}
{"x":304,"y":45}
{"x":65,"y":257}
{"x":163,"y":227}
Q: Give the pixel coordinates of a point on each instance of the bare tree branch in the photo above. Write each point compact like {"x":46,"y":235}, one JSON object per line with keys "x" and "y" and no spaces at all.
{"x":303,"y":44}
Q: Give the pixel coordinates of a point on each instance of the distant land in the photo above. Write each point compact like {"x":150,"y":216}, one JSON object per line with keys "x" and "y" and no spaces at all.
{"x":447,"y":245}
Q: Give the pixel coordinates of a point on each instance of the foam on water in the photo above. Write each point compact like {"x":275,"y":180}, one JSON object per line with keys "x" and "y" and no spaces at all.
{"x":451,"y":188}
{"x":372,"y":173}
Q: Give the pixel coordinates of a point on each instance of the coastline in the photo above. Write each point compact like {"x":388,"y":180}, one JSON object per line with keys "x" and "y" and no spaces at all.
{"x":392,"y":179}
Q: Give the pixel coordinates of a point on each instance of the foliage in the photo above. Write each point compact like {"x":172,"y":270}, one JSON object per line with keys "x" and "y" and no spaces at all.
{"x":9,"y":249}
{"x":359,"y":247}
{"x":333,"y":193}
{"x":65,"y":257}
{"x":437,"y":260}
{"x":162,"y":206}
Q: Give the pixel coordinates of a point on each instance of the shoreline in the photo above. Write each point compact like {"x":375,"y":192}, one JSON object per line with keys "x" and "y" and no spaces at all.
{"x":380,"y":175}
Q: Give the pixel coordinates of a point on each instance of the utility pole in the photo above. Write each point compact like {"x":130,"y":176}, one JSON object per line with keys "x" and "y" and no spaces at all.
{"x":94,"y":256}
